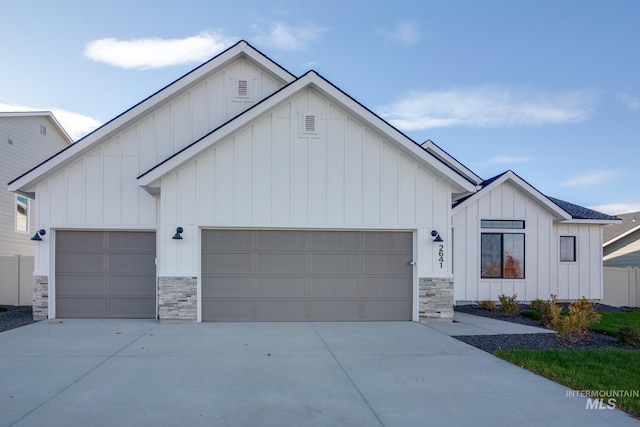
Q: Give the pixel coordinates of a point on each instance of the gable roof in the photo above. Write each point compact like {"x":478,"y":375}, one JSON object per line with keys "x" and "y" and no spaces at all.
{"x":582,"y":213}
{"x":149,"y":179}
{"x":242,"y":49}
{"x":454,"y":164}
{"x":629,"y":224}
{"x":522,"y":185}
{"x":47,"y":114}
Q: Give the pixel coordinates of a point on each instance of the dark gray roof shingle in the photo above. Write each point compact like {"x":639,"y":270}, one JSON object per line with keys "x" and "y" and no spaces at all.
{"x":580,"y":212}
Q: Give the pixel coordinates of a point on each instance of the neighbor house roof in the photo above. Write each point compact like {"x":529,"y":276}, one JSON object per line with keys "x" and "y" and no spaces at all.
{"x":47,"y":114}
{"x":630,"y":223}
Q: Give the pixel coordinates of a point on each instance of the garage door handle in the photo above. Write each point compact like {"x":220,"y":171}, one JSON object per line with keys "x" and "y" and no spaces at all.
{"x":414,"y":262}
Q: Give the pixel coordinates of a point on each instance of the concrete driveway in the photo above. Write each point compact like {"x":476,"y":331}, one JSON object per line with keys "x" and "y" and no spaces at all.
{"x":143,"y":373}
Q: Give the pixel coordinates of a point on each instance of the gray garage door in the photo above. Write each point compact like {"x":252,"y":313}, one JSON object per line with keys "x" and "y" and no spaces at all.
{"x":306,"y":275}
{"x":105,"y":274}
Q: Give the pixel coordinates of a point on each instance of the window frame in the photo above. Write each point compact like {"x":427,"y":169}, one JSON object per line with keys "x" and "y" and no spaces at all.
{"x":574,"y":239}
{"x":20,"y":203}
{"x":498,"y":227}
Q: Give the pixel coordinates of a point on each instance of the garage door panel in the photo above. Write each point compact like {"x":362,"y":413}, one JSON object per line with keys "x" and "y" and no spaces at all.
{"x":388,"y":287}
{"x":280,"y":287}
{"x":80,"y":285}
{"x":132,"y":241}
{"x":384,"y":310}
{"x":333,"y":241}
{"x":307,"y":276}
{"x":226,"y":287}
{"x":380,"y":241}
{"x":79,"y":241}
{"x":80,"y":262}
{"x":388,"y":264}
{"x":281,"y":311}
{"x":276,"y":263}
{"x":335,"y":287}
{"x":131,"y":262}
{"x":132,"y":308}
{"x":79,"y":307}
{"x":226,"y":311}
{"x":279,"y":241}
{"x":335,"y":263}
{"x":333,"y":310}
{"x":132,"y":285}
{"x":226,"y":240}
{"x":228,"y":263}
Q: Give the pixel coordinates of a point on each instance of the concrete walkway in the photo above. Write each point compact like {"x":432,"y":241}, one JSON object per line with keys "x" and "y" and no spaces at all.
{"x":468,"y":324}
{"x":143,"y":373}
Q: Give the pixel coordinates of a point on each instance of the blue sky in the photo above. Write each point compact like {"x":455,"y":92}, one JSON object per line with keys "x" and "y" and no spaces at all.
{"x":549,"y":89}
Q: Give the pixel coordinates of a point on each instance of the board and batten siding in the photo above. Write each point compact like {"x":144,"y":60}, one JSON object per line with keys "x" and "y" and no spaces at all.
{"x":23,"y":145}
{"x":271,"y":175}
{"x":100,"y":190}
{"x":544,"y":273}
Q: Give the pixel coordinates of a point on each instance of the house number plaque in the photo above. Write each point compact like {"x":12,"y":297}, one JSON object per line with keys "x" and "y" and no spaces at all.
{"x":441,"y":255}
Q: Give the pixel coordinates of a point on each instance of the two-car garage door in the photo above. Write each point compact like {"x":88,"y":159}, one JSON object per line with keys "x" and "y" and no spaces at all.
{"x":269,"y":275}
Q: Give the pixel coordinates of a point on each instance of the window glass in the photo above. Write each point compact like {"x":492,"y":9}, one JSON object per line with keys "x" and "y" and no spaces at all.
{"x":502,"y":255}
{"x":506,"y":224}
{"x":22,"y":214}
{"x":567,"y":248}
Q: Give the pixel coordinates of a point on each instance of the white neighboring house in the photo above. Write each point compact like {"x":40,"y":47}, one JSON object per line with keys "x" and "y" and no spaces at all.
{"x":241,"y":192}
{"x":26,"y":140}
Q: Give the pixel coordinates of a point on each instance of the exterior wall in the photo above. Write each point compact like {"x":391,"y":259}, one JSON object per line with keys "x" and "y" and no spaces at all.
{"x":100,"y":190}
{"x":436,"y":299}
{"x":269,"y":175}
{"x":544,"y":273}
{"x":178,"y":298}
{"x":624,"y":252}
{"x":22,"y":146}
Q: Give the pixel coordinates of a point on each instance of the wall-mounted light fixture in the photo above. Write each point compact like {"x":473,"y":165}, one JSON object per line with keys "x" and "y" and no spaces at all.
{"x":436,"y":236}
{"x":39,"y":233}
{"x":178,"y":235}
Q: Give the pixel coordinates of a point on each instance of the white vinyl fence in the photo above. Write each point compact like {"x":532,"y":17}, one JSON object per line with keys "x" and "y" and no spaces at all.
{"x":622,"y":286}
{"x":16,"y":277}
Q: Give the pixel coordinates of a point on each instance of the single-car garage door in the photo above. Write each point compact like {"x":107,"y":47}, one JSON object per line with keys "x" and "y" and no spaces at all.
{"x":105,"y":274}
{"x":259,"y":275}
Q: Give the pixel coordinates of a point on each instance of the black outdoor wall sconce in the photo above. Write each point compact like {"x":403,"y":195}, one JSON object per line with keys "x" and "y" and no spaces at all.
{"x":435,"y":234}
{"x":178,"y":235}
{"x":36,"y":237}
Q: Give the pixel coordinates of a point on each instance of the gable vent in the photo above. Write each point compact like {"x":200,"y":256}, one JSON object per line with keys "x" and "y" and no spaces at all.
{"x":43,"y":130}
{"x":309,"y":123}
{"x":242,"y":89}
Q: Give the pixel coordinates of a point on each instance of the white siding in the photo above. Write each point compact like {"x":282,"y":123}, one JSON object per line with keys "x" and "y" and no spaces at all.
{"x":28,"y":148}
{"x":269,"y":175}
{"x":544,"y":273}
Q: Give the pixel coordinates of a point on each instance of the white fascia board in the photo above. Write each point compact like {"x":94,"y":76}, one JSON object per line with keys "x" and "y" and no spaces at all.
{"x":125,"y":119}
{"x":451,"y":161}
{"x":591,"y":221}
{"x":521,"y":184}
{"x":149,"y":180}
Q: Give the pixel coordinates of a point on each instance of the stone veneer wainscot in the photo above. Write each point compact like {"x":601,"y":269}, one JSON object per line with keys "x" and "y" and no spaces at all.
{"x":178,"y":298}
{"x":436,"y":299}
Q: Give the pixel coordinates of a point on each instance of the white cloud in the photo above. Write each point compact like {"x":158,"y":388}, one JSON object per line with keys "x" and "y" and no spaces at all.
{"x":591,"y":178}
{"x":287,"y":37}
{"x":487,"y":106}
{"x":510,"y":159}
{"x":629,"y":100}
{"x":75,"y":124}
{"x":406,"y":33}
{"x":150,"y":53}
{"x":618,"y":208}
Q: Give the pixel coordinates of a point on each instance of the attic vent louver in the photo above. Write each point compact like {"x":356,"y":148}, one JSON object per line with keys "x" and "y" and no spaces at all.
{"x":242,"y":89}
{"x":310,"y":123}
{"x":43,"y":130}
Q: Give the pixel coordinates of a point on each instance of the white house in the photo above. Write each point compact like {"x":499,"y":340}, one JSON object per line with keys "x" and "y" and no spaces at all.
{"x":26,"y":139}
{"x":243,"y":193}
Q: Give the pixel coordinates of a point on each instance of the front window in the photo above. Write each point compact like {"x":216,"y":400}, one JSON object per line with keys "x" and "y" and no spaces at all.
{"x":567,"y":248}
{"x":502,"y":254}
{"x":22,"y":214}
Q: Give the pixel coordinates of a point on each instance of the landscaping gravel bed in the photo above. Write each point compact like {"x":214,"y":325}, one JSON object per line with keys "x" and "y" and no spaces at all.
{"x":492,"y":343}
{"x":15,"y":317}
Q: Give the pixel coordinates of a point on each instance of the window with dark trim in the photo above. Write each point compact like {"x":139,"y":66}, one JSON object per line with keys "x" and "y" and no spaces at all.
{"x":567,"y":248}
{"x":504,"y":224}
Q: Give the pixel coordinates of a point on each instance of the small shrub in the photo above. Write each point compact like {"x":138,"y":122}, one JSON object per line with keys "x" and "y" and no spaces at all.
{"x":628,"y":336}
{"x":487,"y":305}
{"x":510,"y":304}
{"x":575,"y":326}
{"x":549,"y":311}
{"x":531,"y":314}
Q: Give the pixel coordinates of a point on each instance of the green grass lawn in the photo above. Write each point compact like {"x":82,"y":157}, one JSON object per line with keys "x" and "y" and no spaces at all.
{"x":596,"y":370}
{"x":610,"y":323}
